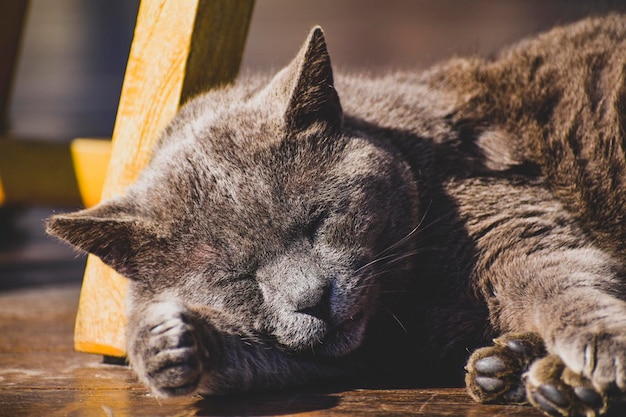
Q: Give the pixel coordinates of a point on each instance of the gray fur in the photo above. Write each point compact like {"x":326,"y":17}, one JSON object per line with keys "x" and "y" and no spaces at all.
{"x":309,"y":225}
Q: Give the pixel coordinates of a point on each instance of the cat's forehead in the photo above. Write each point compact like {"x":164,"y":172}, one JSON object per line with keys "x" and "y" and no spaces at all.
{"x":249,"y":154}
{"x":228,"y":155}
{"x":221,"y":131}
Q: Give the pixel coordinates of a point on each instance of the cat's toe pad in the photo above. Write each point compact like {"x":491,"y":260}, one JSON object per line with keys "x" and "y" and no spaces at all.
{"x":494,"y":373}
{"x":557,"y":391}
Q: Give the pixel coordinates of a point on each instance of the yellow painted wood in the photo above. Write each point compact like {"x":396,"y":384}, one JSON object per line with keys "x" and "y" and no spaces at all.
{"x":179,"y":49}
{"x":52,"y":173}
{"x":39,"y":173}
{"x":91,"y":158}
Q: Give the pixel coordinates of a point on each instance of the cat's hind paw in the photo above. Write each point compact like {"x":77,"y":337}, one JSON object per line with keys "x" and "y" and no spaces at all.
{"x":168,"y":351}
{"x":494,"y":373}
{"x":557,"y":391}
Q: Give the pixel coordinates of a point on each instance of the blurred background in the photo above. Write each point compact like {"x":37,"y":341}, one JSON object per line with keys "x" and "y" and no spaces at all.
{"x":73,"y":55}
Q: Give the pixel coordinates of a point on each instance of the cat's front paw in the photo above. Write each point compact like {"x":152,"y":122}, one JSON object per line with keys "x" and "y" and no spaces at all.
{"x":167,"y":351}
{"x":558,"y":391}
{"x":494,"y":373}
{"x":585,"y":375}
{"x":598,"y":354}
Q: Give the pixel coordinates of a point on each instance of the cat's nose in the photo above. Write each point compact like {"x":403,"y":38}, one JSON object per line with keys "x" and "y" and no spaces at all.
{"x":319,"y":308}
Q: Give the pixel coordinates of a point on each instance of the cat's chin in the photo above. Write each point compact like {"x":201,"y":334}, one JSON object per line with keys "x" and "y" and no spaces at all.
{"x":324,"y":339}
{"x":345,"y":337}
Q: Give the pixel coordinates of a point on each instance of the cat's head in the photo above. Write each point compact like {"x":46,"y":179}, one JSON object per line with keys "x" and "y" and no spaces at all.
{"x":261,"y":202}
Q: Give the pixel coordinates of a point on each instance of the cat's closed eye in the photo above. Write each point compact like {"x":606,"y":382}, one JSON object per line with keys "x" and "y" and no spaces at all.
{"x":242,"y":277}
{"x":314,"y":223}
{"x":313,"y":228}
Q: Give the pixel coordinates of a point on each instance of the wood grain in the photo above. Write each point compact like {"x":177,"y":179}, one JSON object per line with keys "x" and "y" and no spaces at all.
{"x":90,"y":159}
{"x":179,"y":48}
{"x":41,"y":375}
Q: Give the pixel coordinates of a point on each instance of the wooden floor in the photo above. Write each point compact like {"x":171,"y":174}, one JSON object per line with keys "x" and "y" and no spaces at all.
{"x":41,"y":375}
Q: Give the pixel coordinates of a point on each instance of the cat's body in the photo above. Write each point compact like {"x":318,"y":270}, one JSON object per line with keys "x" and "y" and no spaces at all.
{"x":304,"y":227}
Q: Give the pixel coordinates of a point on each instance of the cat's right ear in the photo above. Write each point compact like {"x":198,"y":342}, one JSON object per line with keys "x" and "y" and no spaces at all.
{"x":111,"y":230}
{"x":306,"y":89}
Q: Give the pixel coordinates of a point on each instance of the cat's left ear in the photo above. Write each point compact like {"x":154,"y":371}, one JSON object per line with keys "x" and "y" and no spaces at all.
{"x":112,"y":230}
{"x":308,"y":86}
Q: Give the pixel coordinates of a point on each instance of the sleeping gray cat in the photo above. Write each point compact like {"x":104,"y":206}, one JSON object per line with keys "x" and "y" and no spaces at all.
{"x":281,"y":235}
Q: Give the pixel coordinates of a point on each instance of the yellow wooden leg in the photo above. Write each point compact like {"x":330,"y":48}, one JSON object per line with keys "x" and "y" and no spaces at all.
{"x":179,"y":49}
{"x":48,"y":173}
{"x":91,"y":158}
{"x":37,"y":173}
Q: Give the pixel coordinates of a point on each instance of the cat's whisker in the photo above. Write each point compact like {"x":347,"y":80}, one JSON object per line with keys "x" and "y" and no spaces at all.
{"x":406,"y":255}
{"x":375,"y":261}
{"x":390,"y":259}
{"x":396,"y":319}
{"x":403,"y":240}
{"x":435,"y":222}
{"x":420,"y":227}
{"x":394,"y":258}
{"x":381,"y":273}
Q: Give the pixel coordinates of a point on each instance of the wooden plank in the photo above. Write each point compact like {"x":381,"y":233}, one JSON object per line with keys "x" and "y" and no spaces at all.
{"x":52,"y":173}
{"x":37,"y":173}
{"x":41,"y":376}
{"x":90,"y":158}
{"x":179,"y":49}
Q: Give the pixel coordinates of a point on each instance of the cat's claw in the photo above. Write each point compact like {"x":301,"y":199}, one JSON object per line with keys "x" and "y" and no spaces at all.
{"x":170,"y":351}
{"x":494,"y":373}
